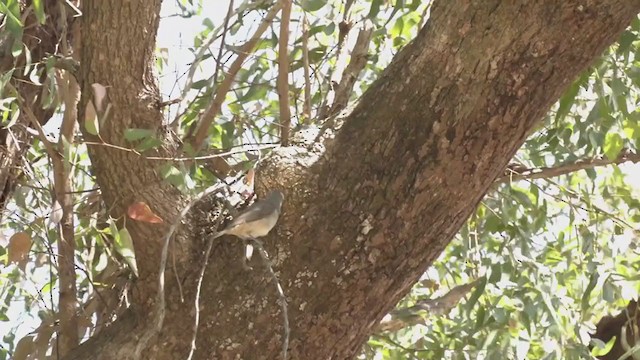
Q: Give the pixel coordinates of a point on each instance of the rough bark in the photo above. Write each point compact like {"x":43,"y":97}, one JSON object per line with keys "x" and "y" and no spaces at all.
{"x":610,"y":326}
{"x":363,"y":220}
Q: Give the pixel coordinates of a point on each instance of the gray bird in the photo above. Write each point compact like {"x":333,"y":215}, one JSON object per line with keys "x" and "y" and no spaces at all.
{"x":258,"y":219}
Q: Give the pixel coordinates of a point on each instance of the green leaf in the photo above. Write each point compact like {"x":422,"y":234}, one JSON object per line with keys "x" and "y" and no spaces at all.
{"x":479,"y":290}
{"x":593,"y":280}
{"x":12,"y":11}
{"x":92,"y":125}
{"x":137,"y":134}
{"x":175,"y":177}
{"x":148,"y":143}
{"x":375,"y":9}
{"x":16,"y":48}
{"x":601,"y":348}
{"x":613,"y":144}
{"x":200,"y":84}
{"x":124,"y":246}
{"x":312,"y":5}
{"x":38,"y":7}
{"x":566,"y":101}
{"x":608,"y":291}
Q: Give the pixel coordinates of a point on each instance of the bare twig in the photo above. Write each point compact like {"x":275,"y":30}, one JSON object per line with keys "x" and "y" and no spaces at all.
{"x":225,"y":29}
{"x":359,"y":57}
{"x":159,"y":310}
{"x":181,"y":159}
{"x":514,"y":173}
{"x":48,"y":146}
{"x":198,"y":58}
{"x":282,"y":297}
{"x":282,"y":83}
{"x":209,"y":115}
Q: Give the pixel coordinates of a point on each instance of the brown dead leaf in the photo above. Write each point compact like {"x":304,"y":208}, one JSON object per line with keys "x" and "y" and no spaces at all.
{"x":142,"y":212}
{"x":24,"y":348}
{"x":99,"y":94}
{"x":248,"y":179}
{"x":19,"y":246}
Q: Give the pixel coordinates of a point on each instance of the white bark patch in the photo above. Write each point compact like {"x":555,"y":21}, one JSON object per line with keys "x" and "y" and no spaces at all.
{"x":366,"y":225}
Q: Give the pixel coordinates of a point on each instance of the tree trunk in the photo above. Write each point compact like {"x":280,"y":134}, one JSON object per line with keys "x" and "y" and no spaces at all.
{"x":363,"y":220}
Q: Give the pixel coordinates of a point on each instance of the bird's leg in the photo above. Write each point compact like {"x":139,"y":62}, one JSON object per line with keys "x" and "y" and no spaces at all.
{"x":248,"y":253}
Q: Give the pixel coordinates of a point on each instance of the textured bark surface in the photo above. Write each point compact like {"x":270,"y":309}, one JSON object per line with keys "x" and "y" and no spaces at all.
{"x":610,"y":326}
{"x":363,"y":220}
{"x":126,"y":69}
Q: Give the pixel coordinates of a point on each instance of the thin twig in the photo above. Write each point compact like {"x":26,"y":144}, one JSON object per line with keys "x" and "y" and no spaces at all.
{"x":514,"y":174}
{"x":209,"y":115}
{"x":306,"y":107}
{"x":194,"y":66}
{"x":225,"y":29}
{"x":48,"y":146}
{"x":282,"y":297}
{"x":282,"y":83}
{"x":180,"y":159}
{"x":159,"y":311}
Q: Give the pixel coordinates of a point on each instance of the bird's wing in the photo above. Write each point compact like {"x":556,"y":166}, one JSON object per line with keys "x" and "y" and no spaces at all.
{"x":255,"y":211}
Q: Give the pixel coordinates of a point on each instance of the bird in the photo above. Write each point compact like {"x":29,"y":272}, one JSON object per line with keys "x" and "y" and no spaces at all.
{"x":257,"y":220}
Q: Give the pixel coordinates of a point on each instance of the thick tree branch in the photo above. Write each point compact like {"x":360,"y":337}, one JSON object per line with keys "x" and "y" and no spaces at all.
{"x":364,"y":219}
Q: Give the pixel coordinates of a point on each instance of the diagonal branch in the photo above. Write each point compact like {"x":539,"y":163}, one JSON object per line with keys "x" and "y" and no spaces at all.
{"x":306,"y":108}
{"x":209,"y":115}
{"x":359,"y":57}
{"x":515,"y":172}
{"x":283,"y":73}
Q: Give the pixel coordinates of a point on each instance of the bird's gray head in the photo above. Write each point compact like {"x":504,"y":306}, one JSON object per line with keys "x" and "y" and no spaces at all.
{"x":276,"y":198}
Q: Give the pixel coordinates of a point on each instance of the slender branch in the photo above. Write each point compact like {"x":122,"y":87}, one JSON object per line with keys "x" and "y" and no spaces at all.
{"x":225,"y":29}
{"x":209,"y":115}
{"x":359,"y":57}
{"x":514,"y":173}
{"x":306,"y":108}
{"x":198,"y":58}
{"x":62,"y":180}
{"x":282,"y":83}
{"x":181,"y":159}
{"x":48,"y":146}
